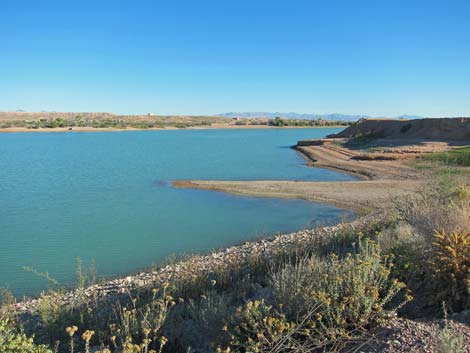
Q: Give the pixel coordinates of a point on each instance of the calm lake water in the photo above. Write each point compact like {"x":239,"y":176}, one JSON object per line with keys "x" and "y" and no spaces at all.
{"x":108,"y":197}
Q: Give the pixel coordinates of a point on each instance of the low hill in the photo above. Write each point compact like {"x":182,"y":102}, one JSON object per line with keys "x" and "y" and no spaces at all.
{"x":443,"y":129}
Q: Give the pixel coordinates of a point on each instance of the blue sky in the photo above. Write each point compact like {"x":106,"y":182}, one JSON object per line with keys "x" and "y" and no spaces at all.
{"x":382,"y":57}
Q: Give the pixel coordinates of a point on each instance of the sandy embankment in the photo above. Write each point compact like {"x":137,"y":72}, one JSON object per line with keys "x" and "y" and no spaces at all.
{"x":381,"y":180}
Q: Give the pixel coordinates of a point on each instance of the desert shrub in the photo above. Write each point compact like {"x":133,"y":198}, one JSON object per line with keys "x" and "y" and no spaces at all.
{"x":316,"y":301}
{"x":451,"y":269}
{"x":142,"y":323}
{"x":14,"y":341}
{"x":258,"y":327}
{"x":208,"y":316}
{"x":199,"y":322}
{"x":350,"y":292}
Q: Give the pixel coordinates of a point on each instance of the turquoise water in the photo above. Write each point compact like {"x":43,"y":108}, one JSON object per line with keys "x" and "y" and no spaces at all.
{"x":108,"y":197}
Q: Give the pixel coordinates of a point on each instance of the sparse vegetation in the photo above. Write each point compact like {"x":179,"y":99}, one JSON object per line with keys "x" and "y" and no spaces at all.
{"x":106,"y":120}
{"x":459,"y":156}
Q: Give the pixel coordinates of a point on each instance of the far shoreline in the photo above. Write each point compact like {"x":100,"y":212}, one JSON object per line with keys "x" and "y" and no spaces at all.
{"x":170,"y":128}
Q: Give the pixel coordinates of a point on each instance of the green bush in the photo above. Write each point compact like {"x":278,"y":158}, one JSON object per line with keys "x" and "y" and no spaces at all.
{"x":277,"y":121}
{"x":409,"y":257}
{"x":14,"y":341}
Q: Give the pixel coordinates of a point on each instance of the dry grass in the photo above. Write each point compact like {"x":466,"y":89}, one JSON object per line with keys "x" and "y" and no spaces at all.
{"x":443,"y":206}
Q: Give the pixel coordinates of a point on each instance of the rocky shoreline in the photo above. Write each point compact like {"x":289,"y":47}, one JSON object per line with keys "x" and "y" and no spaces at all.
{"x":190,"y":268}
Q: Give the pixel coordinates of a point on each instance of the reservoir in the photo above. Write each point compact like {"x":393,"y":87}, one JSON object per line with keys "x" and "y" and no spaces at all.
{"x":107,"y":197}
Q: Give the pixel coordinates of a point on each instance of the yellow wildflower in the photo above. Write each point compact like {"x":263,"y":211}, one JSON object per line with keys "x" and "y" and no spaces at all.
{"x":87,"y":335}
{"x":71,"y":330}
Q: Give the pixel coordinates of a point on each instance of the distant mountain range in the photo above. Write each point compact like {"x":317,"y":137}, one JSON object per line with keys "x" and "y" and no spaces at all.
{"x":340,"y":117}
